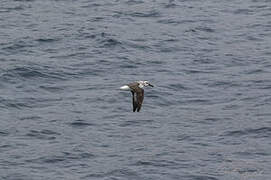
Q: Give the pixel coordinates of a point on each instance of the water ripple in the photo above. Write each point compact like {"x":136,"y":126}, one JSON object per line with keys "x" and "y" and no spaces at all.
{"x":263,"y":132}
{"x":43,"y":134}
{"x":81,"y":123}
{"x":64,"y":117}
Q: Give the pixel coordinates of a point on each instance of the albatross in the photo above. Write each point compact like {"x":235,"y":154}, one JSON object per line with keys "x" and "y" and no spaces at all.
{"x":137,"y":91}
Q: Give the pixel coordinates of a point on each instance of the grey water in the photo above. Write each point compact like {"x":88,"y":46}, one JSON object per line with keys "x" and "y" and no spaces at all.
{"x":62,"y":115}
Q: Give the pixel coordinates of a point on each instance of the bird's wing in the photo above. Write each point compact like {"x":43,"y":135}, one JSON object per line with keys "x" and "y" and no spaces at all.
{"x":133,"y":86}
{"x":134,"y":102}
{"x":139,"y":97}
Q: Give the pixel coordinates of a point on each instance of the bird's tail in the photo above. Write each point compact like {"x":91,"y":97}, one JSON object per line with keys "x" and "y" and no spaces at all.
{"x":125,"y":88}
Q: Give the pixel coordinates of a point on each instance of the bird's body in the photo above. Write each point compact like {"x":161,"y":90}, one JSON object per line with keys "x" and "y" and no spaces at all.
{"x":138,"y":93}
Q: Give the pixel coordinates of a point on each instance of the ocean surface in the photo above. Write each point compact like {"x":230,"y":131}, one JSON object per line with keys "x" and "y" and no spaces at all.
{"x":63,"y":117}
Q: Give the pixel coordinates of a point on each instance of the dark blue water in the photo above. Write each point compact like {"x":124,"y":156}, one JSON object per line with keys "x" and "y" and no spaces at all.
{"x":63,"y":116}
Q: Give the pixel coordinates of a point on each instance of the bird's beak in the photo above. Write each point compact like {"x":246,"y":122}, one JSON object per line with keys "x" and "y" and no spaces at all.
{"x":150,"y":85}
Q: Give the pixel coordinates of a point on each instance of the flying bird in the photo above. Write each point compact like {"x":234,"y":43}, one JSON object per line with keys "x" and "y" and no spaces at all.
{"x":138,"y":93}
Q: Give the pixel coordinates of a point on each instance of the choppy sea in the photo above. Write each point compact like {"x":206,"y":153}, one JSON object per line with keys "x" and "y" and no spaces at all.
{"x":63,"y":117}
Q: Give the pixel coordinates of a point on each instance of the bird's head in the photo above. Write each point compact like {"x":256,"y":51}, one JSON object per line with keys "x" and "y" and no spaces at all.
{"x":144,"y":84}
